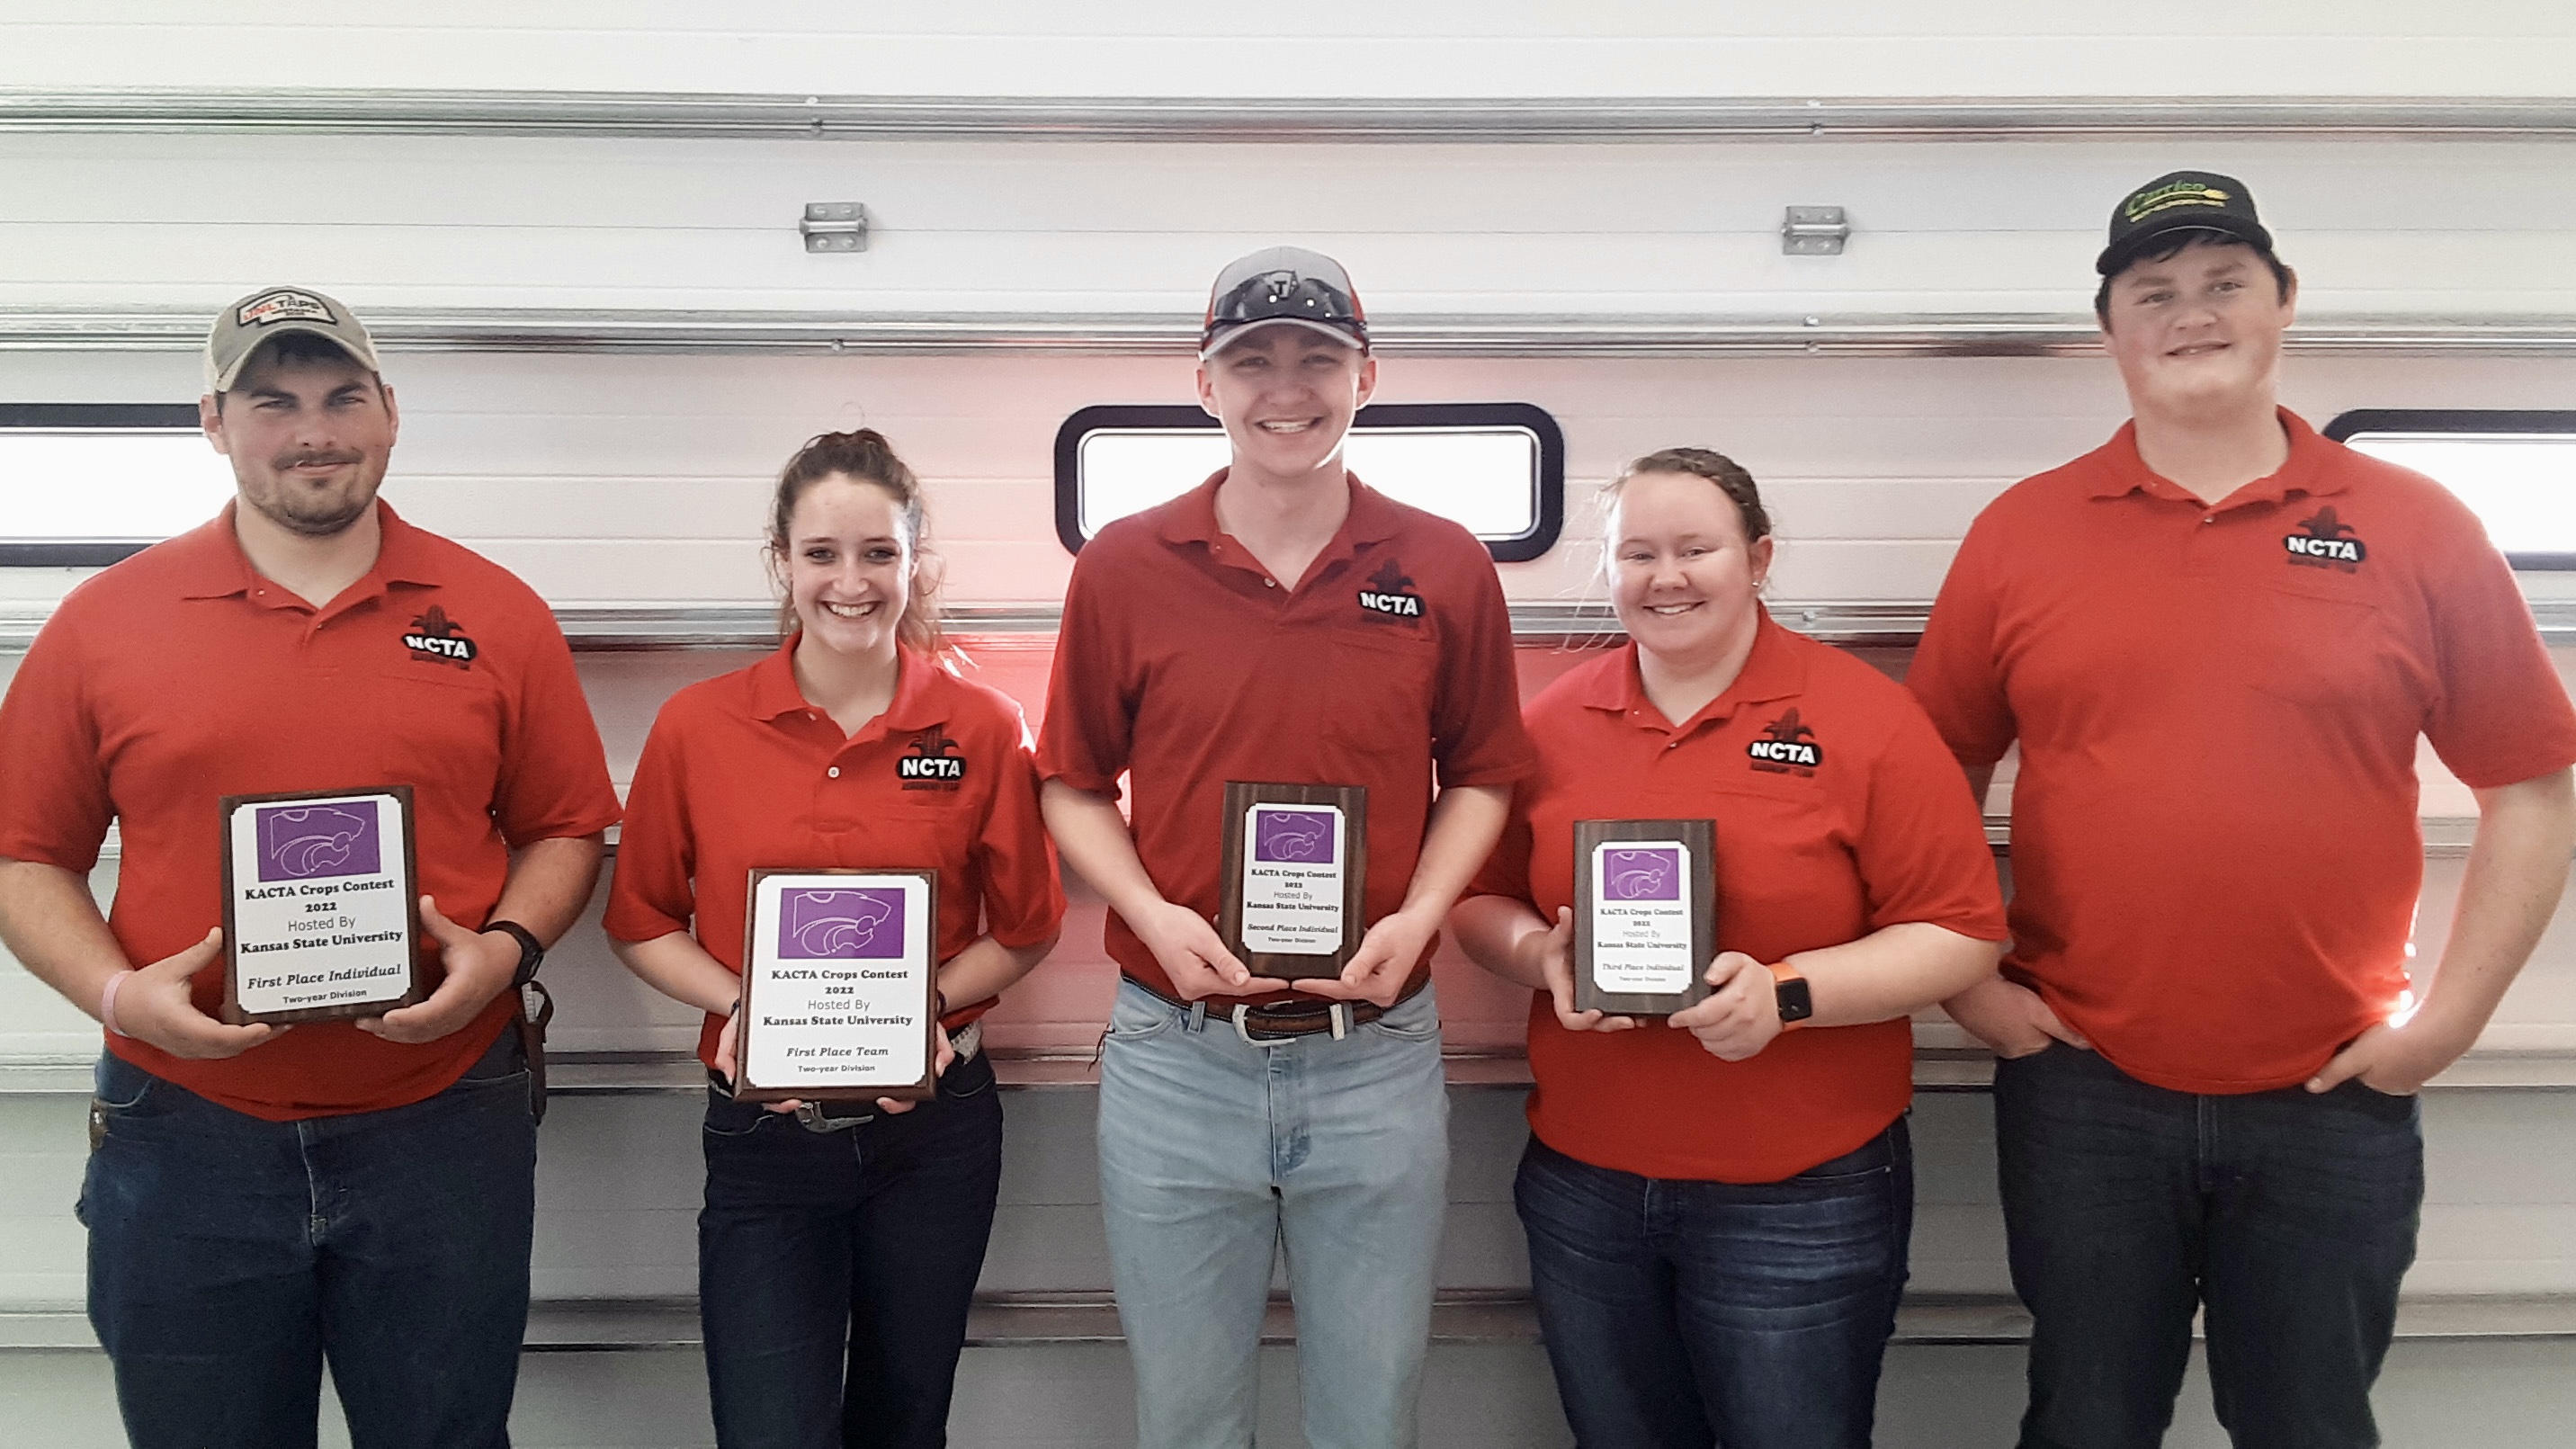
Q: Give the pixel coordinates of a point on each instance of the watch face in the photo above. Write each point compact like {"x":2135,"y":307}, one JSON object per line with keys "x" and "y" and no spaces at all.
{"x":1796,"y":1002}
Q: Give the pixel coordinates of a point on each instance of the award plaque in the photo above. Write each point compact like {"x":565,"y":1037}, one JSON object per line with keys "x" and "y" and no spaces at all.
{"x":1295,"y":873}
{"x":1645,"y":914}
{"x":840,"y":986}
{"x":321,"y":905}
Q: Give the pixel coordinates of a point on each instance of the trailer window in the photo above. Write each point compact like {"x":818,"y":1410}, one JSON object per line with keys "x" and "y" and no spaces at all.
{"x":2515,"y":470}
{"x":84,"y":484}
{"x":1498,"y":469}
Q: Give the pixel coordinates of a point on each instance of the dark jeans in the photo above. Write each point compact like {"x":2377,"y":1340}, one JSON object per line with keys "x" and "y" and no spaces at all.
{"x":229,"y":1257}
{"x":1683,"y":1313}
{"x":2289,"y":1218}
{"x":835,"y":1268}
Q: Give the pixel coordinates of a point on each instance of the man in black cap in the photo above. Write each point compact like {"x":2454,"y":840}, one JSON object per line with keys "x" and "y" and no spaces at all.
{"x":1280,"y":622}
{"x":2216,"y":640}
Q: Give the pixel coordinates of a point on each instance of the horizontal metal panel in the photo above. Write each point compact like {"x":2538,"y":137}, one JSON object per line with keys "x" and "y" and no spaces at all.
{"x":571,"y":330}
{"x":612,"y":628}
{"x":528,"y":113}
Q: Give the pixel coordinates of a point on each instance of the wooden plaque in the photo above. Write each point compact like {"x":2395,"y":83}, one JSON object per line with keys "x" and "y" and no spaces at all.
{"x":840,"y":986}
{"x":321,"y":905}
{"x":1295,"y":877}
{"x":1645,"y":914}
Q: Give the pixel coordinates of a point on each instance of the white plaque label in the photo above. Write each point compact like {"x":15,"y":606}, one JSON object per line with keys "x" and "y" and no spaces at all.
{"x":321,"y":911}
{"x":1293,"y":858}
{"x":1641,"y":920}
{"x":840,"y":989}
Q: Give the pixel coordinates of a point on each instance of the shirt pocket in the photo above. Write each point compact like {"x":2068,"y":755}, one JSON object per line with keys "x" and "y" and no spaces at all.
{"x":436,"y":725}
{"x":1376,"y":693}
{"x":2322,"y":649}
{"x":936,"y":834}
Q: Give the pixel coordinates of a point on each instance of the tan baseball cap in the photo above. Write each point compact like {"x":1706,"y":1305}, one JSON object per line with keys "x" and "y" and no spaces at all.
{"x":274,"y":312}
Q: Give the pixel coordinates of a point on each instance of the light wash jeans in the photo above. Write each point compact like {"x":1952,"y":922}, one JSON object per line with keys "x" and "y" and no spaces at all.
{"x":1215,"y":1151}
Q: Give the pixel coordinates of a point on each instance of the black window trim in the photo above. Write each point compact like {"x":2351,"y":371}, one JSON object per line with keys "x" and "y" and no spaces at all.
{"x":1529,"y":417}
{"x":86,"y":417}
{"x":2468,"y":422}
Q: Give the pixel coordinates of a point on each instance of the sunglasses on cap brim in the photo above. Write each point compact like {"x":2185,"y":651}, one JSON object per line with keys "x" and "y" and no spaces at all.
{"x":1284,"y":297}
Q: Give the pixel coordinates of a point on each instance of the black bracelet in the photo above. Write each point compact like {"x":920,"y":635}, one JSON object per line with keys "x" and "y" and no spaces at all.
{"x":532,"y":953}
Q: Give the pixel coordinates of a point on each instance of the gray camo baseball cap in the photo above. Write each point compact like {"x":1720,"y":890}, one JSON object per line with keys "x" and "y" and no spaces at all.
{"x":274,"y":312}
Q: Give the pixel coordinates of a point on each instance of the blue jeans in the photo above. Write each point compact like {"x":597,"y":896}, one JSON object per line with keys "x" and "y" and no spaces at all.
{"x":229,"y":1257}
{"x":2289,"y":1218}
{"x":1215,"y":1152}
{"x":835,"y":1269}
{"x":1683,"y":1313}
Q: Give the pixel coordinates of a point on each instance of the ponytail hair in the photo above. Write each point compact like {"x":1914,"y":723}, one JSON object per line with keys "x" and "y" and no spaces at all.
{"x":864,"y":456}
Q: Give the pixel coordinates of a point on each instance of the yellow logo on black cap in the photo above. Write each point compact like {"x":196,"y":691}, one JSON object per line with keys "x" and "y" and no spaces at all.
{"x":2164,"y":198}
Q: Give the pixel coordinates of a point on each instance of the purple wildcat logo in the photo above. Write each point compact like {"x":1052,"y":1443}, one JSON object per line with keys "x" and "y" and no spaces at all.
{"x":303,"y":842}
{"x":1642,"y":875}
{"x":840,"y":925}
{"x":1301,"y":836}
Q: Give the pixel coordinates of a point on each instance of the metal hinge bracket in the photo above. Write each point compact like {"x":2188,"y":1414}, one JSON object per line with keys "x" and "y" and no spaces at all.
{"x":835,"y":226}
{"x":1814,"y":231}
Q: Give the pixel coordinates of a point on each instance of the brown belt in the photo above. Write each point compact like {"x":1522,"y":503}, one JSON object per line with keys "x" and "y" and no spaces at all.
{"x":1289,"y":1019}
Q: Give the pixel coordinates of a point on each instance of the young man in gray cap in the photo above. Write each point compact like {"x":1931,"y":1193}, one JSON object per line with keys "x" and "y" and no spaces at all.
{"x":2216,"y":640}
{"x":1280,"y":623}
{"x":263,"y":1198}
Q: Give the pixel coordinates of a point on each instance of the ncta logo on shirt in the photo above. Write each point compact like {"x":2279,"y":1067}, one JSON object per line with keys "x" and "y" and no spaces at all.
{"x":438,"y":639}
{"x":1391,"y":593}
{"x":1787,"y":747}
{"x":933,"y":763}
{"x":2324,"y":542}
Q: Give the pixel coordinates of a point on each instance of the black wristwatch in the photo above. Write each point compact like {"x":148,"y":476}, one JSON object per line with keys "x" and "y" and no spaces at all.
{"x":1790,"y":990}
{"x":531,"y":954}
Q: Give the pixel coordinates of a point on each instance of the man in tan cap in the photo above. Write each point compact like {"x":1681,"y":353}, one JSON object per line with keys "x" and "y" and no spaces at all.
{"x":261,"y":1197}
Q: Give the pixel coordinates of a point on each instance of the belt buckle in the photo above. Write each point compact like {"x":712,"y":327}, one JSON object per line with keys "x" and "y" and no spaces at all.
{"x":812,"y":1117}
{"x":1339,"y":1015}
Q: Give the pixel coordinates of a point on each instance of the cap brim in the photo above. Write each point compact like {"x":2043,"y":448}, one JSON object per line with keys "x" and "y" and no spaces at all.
{"x":2231,"y":228}
{"x":1217,"y":340}
{"x":223,"y":381}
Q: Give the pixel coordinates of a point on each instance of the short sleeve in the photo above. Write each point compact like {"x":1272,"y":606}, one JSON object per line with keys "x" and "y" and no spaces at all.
{"x":554,"y":775}
{"x":1090,"y":721}
{"x":1477,"y":736}
{"x":2502,"y":715}
{"x":1023,"y":894}
{"x":54,"y":802}
{"x":1956,"y":675}
{"x":651,"y":892}
{"x":1922,"y":853}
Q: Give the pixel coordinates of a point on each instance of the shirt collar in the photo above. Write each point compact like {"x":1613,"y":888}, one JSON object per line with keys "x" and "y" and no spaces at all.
{"x":2123,"y":472}
{"x":1774,"y":670}
{"x":211,"y":564}
{"x":922,"y":691}
{"x":1372,"y":518}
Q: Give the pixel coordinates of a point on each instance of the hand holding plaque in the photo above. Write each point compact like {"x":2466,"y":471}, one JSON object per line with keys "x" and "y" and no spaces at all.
{"x":1295,"y":876}
{"x":840,"y":985}
{"x":1645,"y":914}
{"x":321,"y":914}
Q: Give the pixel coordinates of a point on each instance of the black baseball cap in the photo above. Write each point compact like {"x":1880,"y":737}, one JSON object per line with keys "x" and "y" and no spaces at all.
{"x":1283,"y":284}
{"x":2180,"y":201}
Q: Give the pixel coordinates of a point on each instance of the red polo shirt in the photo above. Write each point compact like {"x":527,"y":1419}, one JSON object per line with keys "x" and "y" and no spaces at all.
{"x":180,"y":676}
{"x":2216,"y":852}
{"x":741,"y":772}
{"x":1877,"y":832}
{"x":1183,"y":663}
